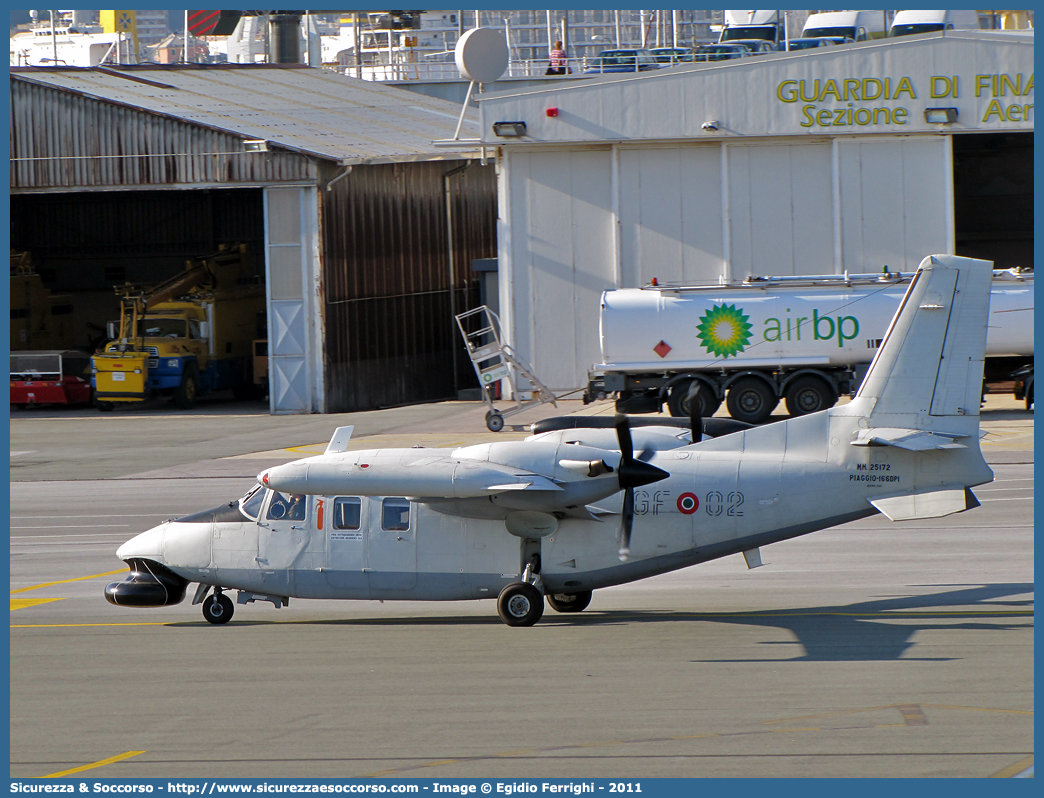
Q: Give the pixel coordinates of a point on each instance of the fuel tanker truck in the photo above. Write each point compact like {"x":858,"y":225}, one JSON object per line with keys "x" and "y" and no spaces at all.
{"x":806,"y":340}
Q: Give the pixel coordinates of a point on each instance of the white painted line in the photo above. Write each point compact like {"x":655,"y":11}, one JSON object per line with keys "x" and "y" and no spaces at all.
{"x":38,"y":537}
{"x":71,"y":526}
{"x":124,"y":515}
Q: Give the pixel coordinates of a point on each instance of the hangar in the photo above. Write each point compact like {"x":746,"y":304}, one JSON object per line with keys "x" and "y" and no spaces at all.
{"x":363,"y":230}
{"x":825,"y":161}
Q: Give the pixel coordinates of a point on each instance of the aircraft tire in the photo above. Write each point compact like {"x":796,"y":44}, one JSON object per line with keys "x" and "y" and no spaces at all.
{"x":520,"y":604}
{"x":218,"y":609}
{"x":569,"y":602}
{"x":751,"y":399}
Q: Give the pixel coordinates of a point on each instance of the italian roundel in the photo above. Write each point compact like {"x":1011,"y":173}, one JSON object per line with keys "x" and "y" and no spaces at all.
{"x":688,"y":503}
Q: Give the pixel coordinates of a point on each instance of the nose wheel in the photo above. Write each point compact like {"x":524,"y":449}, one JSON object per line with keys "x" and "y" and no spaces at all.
{"x":218,"y":608}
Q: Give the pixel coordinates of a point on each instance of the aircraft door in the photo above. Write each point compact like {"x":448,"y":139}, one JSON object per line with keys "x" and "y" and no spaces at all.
{"x":391,"y":546}
{"x":282,"y":536}
{"x":343,"y":524}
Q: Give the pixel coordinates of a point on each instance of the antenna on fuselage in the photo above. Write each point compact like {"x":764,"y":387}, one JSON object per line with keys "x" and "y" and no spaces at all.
{"x":339,"y":440}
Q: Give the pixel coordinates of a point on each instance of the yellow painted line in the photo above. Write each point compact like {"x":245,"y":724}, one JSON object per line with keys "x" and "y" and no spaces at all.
{"x":518,"y":752}
{"x":378,"y":774}
{"x":829,"y":714}
{"x":981,"y":709}
{"x":21,"y":604}
{"x":441,"y":762}
{"x":1013,"y":770}
{"x":102,"y":763}
{"x":66,"y":581}
{"x":810,"y":728}
{"x":74,"y":625}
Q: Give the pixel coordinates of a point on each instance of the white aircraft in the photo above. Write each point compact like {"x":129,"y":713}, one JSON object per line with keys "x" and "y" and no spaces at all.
{"x":569,"y":511}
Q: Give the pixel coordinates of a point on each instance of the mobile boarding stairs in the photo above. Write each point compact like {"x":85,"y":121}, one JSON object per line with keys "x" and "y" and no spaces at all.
{"x":494,"y":360}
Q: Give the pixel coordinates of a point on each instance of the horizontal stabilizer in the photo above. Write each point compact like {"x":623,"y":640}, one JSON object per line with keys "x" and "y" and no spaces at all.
{"x":913,"y":440}
{"x":932,"y":504}
{"x":339,"y":440}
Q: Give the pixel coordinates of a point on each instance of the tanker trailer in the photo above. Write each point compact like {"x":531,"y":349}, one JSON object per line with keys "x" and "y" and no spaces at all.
{"x":804,"y":339}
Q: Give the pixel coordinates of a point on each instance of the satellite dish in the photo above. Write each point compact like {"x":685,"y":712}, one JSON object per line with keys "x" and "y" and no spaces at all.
{"x":481,"y":55}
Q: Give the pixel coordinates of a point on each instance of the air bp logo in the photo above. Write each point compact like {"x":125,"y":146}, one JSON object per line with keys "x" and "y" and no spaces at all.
{"x":724,"y":330}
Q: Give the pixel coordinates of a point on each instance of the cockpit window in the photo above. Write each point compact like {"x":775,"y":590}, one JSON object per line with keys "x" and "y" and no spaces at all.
{"x":395,"y":515}
{"x":286,"y":507}
{"x":250,"y":505}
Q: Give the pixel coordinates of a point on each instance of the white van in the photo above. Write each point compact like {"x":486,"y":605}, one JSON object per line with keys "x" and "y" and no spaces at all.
{"x":907,"y":23}
{"x":855,"y":25}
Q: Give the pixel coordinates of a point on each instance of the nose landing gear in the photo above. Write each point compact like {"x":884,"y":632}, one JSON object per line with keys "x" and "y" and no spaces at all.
{"x":218,"y":608}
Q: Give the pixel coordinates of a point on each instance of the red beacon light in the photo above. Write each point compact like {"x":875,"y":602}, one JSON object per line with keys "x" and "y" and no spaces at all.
{"x":654,"y":281}
{"x":552,"y":112}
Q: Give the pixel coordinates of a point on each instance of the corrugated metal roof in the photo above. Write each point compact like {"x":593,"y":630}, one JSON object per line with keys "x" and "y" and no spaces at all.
{"x":301,"y":109}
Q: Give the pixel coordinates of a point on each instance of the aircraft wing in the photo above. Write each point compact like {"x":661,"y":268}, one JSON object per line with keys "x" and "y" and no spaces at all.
{"x":375,"y":475}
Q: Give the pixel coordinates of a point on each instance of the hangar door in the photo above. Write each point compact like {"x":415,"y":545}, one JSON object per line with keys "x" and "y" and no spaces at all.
{"x":292,"y":276}
{"x":694,"y":213}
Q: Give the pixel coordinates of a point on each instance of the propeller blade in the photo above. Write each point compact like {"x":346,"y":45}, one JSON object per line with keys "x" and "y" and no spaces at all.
{"x":626,"y":522}
{"x":633,"y":472}
{"x":623,"y":435}
{"x":646,"y":454}
{"x":695,"y":420}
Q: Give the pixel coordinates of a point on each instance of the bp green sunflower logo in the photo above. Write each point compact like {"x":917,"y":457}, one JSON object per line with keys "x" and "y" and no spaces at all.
{"x":724,"y":331}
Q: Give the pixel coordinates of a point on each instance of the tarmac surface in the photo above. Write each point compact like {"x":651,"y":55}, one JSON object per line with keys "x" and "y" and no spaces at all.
{"x":870,"y":649}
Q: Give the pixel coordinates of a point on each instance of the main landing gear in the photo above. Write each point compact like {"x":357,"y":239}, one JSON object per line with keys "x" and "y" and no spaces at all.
{"x":569,"y":602}
{"x":522,"y":603}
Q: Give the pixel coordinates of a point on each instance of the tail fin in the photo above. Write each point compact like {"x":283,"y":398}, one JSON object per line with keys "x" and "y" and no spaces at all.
{"x":928,"y":372}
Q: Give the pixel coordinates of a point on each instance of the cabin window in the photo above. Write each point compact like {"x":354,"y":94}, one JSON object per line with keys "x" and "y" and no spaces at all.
{"x":395,"y":515}
{"x":347,"y":513}
{"x":250,"y":505}
{"x":286,"y":507}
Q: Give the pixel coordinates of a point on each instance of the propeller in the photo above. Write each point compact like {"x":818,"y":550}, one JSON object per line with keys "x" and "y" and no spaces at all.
{"x":632,"y":473}
{"x":695,"y":419}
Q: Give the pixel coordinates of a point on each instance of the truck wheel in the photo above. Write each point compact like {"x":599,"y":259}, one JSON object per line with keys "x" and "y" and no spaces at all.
{"x":808,"y":395}
{"x":751,"y":400}
{"x":104,"y":407}
{"x":185,"y":395}
{"x":678,"y":401}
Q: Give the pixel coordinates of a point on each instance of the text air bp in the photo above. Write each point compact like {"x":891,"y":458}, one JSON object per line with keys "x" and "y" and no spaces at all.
{"x":726,"y":330}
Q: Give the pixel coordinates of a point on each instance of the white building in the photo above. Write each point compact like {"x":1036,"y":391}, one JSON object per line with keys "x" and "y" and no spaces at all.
{"x":812,"y":162}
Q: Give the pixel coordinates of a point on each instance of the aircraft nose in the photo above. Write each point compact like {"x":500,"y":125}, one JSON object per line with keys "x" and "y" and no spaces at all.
{"x":147,"y":545}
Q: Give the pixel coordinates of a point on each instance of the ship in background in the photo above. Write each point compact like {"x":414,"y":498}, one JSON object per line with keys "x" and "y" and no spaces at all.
{"x":69,"y":38}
